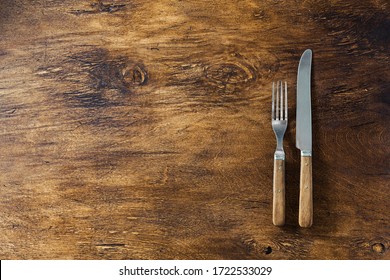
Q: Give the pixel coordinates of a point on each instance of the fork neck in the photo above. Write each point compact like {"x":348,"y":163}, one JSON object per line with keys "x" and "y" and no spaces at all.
{"x":279,"y":154}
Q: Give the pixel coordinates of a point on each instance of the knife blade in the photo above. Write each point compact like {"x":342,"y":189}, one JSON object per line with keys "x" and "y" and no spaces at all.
{"x":304,"y":139}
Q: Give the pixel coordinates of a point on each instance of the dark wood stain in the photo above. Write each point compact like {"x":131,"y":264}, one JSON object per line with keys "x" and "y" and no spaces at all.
{"x":141,"y":129}
{"x":99,"y":7}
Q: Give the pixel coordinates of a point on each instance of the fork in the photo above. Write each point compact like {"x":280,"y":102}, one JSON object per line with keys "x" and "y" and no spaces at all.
{"x":279,"y":125}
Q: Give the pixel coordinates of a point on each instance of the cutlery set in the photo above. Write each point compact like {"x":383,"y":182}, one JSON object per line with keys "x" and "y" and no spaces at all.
{"x":303,"y":143}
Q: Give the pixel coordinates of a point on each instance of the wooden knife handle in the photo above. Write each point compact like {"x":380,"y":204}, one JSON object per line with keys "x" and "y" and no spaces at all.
{"x":306,"y":193}
{"x":278,"y":215}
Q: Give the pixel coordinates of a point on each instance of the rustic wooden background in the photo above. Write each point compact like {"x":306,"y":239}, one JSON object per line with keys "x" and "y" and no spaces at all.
{"x":141,"y":129}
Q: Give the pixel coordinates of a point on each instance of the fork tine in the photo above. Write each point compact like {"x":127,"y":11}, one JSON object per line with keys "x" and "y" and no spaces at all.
{"x":273,"y":100}
{"x":281,"y":100}
{"x":277,"y":101}
{"x":285,"y":108}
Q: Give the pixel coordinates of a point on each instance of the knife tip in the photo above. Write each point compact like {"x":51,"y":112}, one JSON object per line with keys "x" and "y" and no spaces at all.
{"x":308,"y":51}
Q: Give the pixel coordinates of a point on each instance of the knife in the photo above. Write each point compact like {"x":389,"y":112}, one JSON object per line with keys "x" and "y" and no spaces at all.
{"x":304,"y":139}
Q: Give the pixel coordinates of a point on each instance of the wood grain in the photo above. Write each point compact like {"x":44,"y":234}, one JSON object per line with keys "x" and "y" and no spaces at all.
{"x":279,"y":193}
{"x":142,"y":129}
{"x":306,"y":192}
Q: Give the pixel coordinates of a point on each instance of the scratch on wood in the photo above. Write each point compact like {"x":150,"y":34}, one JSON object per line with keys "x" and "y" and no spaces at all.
{"x":111,"y":245}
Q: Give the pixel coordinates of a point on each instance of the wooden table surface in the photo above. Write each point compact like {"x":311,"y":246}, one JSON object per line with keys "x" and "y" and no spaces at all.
{"x":141,"y":129}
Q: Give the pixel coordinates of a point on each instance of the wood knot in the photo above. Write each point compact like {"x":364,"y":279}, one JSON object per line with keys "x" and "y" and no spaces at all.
{"x":225,"y":77}
{"x":96,"y":78}
{"x":135,"y":75}
{"x":378,"y":248}
{"x":120,"y":74}
{"x":267,"y":250}
{"x":230,"y":75}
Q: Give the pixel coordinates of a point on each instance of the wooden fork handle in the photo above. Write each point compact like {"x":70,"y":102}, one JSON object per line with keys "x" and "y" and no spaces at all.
{"x":306,"y":193}
{"x":278,"y":215}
